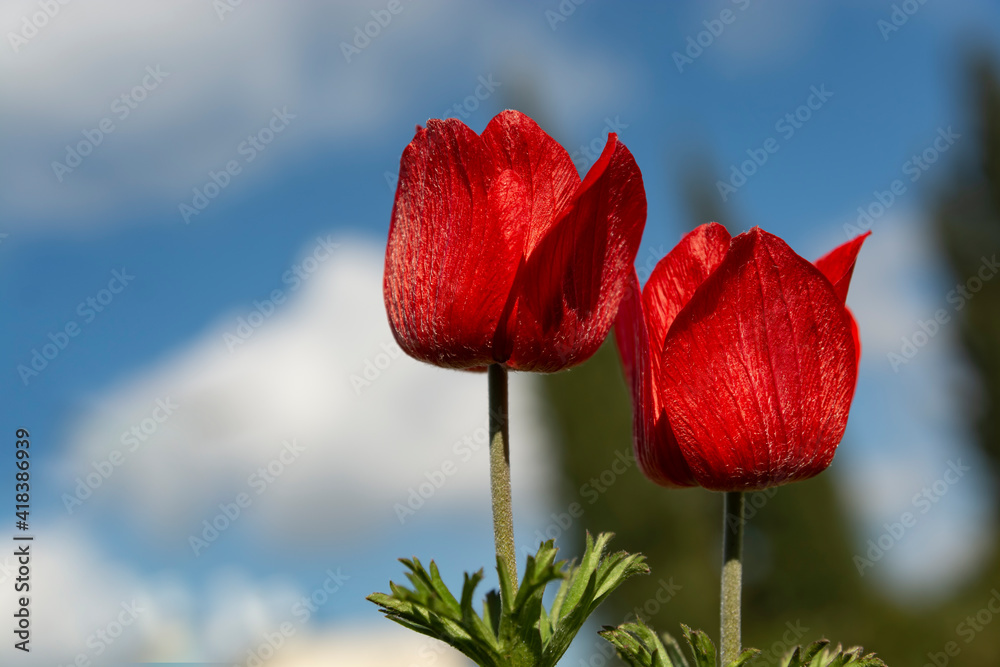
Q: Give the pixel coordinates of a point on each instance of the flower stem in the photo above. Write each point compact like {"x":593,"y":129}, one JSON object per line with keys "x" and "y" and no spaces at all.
{"x":503,"y":518}
{"x":732,"y":575}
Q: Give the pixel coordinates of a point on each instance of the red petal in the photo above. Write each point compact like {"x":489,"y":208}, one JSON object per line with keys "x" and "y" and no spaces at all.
{"x":544,"y":167}
{"x":573,"y":281}
{"x":759,"y":369}
{"x":655,"y":447}
{"x":677,"y":276}
{"x":838,"y":264}
{"x":443,"y":300}
{"x":857,"y":337}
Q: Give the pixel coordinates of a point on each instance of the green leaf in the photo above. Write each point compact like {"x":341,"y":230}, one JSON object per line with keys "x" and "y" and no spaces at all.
{"x":587,"y":586}
{"x":674,"y":651}
{"x":479,"y":628}
{"x":492,"y":610}
{"x":430,"y":609}
{"x":557,"y":604}
{"x":701,"y":646}
{"x":578,"y":583}
{"x":813,"y":651}
{"x":515,"y":630}
{"x":639,"y":646}
{"x":506,"y":587}
{"x":822,"y":654}
{"x":745,"y":657}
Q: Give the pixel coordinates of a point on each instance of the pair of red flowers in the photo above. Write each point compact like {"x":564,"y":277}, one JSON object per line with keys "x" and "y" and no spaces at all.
{"x":741,"y":355}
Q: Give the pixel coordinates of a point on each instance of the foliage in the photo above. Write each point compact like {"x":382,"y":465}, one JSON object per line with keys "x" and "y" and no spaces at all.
{"x":514,"y":629}
{"x":639,"y":646}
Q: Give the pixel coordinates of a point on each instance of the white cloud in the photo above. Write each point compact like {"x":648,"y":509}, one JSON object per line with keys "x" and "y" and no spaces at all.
{"x":369,"y":647}
{"x":225,"y":77}
{"x":753,"y":36}
{"x":80,"y":601}
{"x":86,"y":603}
{"x":300,"y":376}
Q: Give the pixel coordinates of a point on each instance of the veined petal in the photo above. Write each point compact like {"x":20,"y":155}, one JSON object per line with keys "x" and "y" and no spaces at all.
{"x":452,"y":210}
{"x":838,"y":264}
{"x":759,"y":369}
{"x":545,"y":168}
{"x":654,"y":443}
{"x":573,"y":280}
{"x":857,"y":337}
{"x":676,"y":277}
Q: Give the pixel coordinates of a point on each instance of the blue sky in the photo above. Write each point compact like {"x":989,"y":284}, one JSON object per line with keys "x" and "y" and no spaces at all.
{"x":324,"y":175}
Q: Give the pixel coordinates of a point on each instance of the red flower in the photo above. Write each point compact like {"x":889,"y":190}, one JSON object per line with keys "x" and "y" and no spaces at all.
{"x":498,"y":253}
{"x":742,"y":360}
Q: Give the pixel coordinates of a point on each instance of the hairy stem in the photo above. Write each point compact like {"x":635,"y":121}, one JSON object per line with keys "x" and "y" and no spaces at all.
{"x":732,"y":575}
{"x":503,"y":518}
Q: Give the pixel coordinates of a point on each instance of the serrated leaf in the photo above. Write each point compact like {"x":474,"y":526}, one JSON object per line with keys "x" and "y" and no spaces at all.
{"x":560,"y":598}
{"x":579,"y":597}
{"x":506,"y":587}
{"x":701,"y":646}
{"x":492,"y":610}
{"x":478,"y":628}
{"x":870,"y":660}
{"x":674,"y":651}
{"x":639,"y":646}
{"x":615,"y":570}
{"x":437,"y":585}
{"x":822,"y":654}
{"x":545,"y":627}
{"x":794,"y":659}
{"x":430,"y":609}
{"x":746,"y":656}
{"x":571,"y":622}
{"x":814,"y":651}
{"x":578,"y":582}
{"x":832,"y":657}
{"x":515,"y":630}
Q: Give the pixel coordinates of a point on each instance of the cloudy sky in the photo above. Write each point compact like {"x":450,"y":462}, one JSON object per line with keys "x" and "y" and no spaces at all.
{"x":200,"y":191}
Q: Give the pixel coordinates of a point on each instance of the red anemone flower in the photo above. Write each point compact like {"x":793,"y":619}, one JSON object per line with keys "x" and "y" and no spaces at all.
{"x":742,"y":360}
{"x":499,"y":254}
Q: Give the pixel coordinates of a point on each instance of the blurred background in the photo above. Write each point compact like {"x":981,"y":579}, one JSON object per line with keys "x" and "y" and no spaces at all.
{"x":228,"y":449}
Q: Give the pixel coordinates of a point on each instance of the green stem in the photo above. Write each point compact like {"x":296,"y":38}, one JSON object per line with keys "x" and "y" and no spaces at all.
{"x":732,"y":575}
{"x":503,"y":518}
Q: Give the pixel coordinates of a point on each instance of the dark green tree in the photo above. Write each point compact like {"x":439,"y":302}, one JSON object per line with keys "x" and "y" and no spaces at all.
{"x":967,"y":222}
